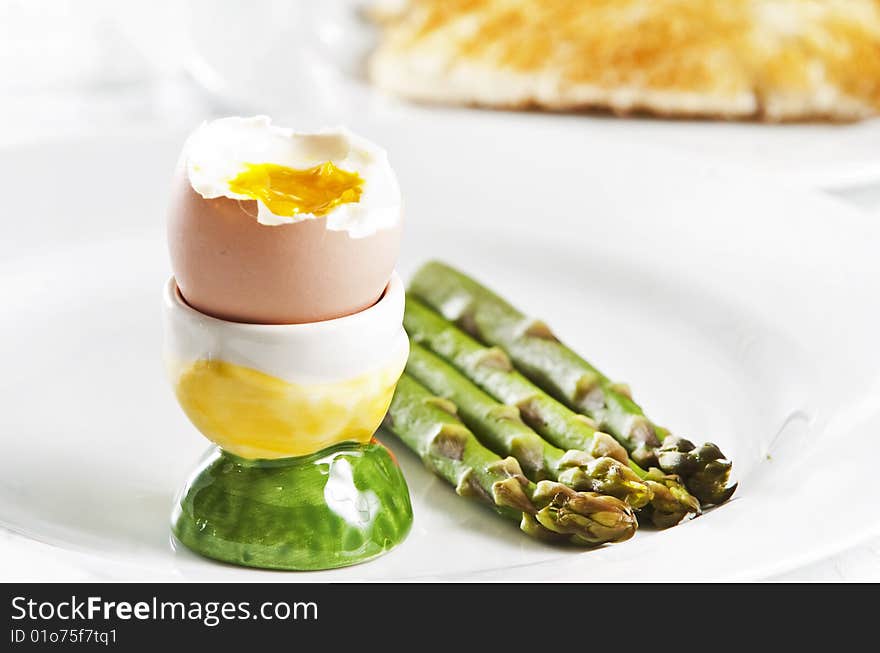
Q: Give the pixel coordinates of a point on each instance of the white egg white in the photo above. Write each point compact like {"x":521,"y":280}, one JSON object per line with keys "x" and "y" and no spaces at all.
{"x":219,"y":150}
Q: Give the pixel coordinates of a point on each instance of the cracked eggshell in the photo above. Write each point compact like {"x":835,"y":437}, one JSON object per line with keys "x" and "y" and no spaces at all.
{"x":230,"y":266}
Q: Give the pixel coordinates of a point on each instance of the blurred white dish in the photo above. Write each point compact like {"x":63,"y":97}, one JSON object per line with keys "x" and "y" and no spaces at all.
{"x":305,"y":60}
{"x":813,"y":155}
{"x":738,"y":312}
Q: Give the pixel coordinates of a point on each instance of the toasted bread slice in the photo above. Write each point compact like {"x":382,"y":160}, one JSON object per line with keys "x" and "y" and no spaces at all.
{"x":767,"y":59}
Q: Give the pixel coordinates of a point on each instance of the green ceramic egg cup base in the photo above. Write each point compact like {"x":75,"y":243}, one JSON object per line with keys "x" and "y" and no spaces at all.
{"x":341,"y":506}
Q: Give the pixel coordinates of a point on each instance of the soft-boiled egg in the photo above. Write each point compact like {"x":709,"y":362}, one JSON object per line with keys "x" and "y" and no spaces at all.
{"x":272,"y":226}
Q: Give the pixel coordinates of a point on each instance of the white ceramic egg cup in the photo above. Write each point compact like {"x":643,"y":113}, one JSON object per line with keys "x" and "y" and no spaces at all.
{"x":295,"y":480}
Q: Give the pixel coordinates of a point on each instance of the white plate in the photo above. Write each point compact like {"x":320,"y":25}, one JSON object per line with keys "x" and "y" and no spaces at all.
{"x":738,"y":313}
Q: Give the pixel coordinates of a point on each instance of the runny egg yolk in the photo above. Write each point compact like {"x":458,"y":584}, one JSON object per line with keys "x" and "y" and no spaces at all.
{"x":289,"y":191}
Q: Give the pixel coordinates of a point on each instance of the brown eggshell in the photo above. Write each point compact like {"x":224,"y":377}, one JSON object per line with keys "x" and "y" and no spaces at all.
{"x":230,"y":266}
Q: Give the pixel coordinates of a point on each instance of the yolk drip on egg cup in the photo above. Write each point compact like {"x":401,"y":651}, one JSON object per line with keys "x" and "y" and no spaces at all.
{"x":258,"y":416}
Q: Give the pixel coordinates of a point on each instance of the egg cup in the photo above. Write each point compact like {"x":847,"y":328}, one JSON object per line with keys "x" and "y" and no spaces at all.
{"x":296,"y":479}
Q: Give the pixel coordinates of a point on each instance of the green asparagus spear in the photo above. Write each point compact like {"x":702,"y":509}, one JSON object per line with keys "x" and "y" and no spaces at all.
{"x":540,"y":356}
{"x":491,"y":370}
{"x":547,"y":510}
{"x":500,"y":428}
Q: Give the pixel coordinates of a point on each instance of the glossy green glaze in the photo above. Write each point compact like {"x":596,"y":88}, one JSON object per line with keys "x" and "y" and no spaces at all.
{"x":338,"y":507}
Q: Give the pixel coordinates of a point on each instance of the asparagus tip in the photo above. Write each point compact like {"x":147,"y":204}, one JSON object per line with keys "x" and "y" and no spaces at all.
{"x":585,"y":517}
{"x":671,"y":502}
{"x":704,"y":469}
{"x":605,"y":476}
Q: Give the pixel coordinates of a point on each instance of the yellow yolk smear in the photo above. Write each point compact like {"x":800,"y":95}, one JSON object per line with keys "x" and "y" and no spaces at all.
{"x":255,"y":415}
{"x":288,"y":191}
